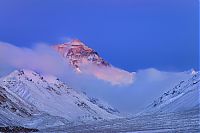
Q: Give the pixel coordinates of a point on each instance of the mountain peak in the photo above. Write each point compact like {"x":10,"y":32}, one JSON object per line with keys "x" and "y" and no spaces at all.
{"x":79,"y":54}
{"x":86,"y":60}
{"x":191,"y":71}
{"x":76,"y":42}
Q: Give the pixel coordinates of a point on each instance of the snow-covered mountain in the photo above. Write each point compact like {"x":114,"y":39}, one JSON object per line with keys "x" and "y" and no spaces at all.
{"x":37,"y":100}
{"x":79,"y":54}
{"x":87,"y":61}
{"x":184,"y":96}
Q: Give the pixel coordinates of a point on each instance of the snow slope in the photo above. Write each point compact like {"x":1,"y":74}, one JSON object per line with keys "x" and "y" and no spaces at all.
{"x":24,"y":94}
{"x":14,"y":111}
{"x":184,"y":96}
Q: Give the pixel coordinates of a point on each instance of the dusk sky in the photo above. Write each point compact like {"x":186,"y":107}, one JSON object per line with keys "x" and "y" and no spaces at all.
{"x":130,"y":34}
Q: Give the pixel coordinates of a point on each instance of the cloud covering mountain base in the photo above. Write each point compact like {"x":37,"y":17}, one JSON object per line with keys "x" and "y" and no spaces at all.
{"x":119,"y":90}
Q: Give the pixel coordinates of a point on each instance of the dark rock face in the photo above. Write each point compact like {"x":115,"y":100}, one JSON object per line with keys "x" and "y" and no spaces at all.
{"x":17,"y":129}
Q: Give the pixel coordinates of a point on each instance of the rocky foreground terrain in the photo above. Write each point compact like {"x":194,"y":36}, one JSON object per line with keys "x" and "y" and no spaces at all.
{"x":183,"y":122}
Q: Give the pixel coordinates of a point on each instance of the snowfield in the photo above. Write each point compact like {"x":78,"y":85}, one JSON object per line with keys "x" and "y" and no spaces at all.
{"x":182,"y":122}
{"x":177,"y":110}
{"x":32,"y":101}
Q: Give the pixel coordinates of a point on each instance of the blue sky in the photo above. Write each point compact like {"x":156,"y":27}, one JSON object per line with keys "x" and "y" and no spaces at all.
{"x":130,"y":34}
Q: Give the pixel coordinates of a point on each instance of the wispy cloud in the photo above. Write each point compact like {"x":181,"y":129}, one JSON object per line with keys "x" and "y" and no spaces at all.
{"x":113,"y":75}
{"x":40,"y":58}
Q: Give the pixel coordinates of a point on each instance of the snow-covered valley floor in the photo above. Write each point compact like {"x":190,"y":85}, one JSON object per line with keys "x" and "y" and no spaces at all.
{"x":183,"y":122}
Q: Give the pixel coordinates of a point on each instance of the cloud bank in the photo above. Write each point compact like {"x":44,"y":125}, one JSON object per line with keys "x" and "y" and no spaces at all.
{"x":41,"y":58}
{"x":44,"y":59}
{"x":148,"y":84}
{"x":111,"y":74}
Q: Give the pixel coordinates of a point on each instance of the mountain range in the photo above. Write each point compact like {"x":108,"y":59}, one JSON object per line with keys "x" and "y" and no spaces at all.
{"x":33,"y":100}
